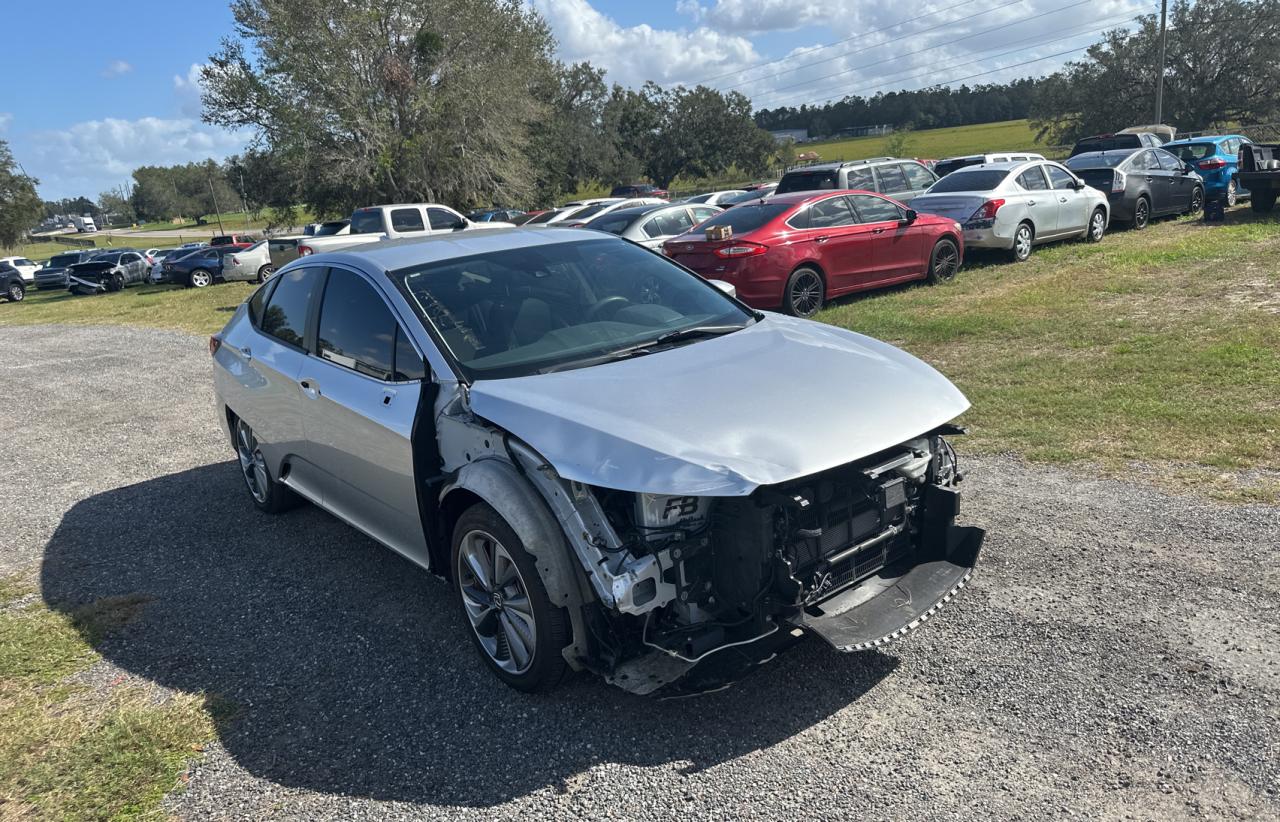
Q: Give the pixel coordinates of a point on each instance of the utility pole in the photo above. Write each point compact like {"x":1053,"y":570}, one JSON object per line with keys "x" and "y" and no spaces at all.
{"x":1164,"y":36}
{"x":243,"y":202}
{"x":216,"y":208}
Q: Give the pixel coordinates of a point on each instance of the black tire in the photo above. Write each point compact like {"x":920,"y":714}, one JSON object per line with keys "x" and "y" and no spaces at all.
{"x":200,"y":278}
{"x":1097,"y":227}
{"x":1233,"y":194}
{"x":1141,"y":214}
{"x":544,"y":669}
{"x":1262,"y":201}
{"x":1197,"y":201}
{"x":944,"y":262}
{"x":1024,"y":237}
{"x":16,"y":292}
{"x":267,"y":494}
{"x":116,"y":283}
{"x":805,"y":292}
{"x":265,"y":273}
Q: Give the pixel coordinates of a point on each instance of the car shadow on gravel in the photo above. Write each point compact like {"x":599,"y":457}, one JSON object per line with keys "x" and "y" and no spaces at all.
{"x":347,"y":670}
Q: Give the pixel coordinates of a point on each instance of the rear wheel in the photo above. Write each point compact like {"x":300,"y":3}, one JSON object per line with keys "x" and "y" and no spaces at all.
{"x":269,"y":495}
{"x":945,"y":261}
{"x":805,"y":293}
{"x":1262,"y":201}
{"x":516,"y":629}
{"x":1233,"y":194}
{"x":1197,"y":200}
{"x":1023,"y":239}
{"x":16,"y":292}
{"x":200,"y":278}
{"x":1097,"y":226}
{"x":265,"y":273}
{"x":1141,"y":214}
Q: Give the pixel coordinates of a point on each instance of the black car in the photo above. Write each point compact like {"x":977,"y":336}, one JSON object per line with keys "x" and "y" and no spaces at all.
{"x":111,"y":271}
{"x":198,"y":269}
{"x":1116,"y":142}
{"x":11,"y":287}
{"x":54,"y":273}
{"x":1141,"y":183}
{"x":638,"y":190}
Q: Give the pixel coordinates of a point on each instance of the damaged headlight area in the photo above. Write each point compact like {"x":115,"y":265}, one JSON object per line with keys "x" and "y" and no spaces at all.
{"x":859,"y":555}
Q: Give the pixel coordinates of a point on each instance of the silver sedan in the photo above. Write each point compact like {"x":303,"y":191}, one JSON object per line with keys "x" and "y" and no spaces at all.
{"x":1017,"y":205}
{"x":652,"y":225}
{"x":252,"y":264}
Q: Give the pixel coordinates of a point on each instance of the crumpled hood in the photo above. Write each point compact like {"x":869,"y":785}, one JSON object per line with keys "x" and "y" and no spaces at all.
{"x":780,"y":400}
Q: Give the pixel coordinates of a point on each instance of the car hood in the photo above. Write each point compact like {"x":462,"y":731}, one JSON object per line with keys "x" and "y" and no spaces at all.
{"x":780,"y":400}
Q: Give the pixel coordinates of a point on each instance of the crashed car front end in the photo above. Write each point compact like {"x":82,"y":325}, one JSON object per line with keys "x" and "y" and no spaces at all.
{"x":92,"y":278}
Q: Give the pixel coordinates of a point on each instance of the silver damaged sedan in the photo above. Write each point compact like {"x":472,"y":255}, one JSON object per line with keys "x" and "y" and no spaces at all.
{"x":617,"y":466}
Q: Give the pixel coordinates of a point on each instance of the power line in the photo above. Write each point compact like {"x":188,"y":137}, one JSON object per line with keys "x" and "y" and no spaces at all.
{"x":882,"y":42}
{"x":1040,"y":39}
{"x":813,"y":49}
{"x":933,"y":46}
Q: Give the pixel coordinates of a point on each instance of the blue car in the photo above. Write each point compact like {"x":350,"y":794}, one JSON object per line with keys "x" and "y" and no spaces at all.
{"x":1216,"y":159}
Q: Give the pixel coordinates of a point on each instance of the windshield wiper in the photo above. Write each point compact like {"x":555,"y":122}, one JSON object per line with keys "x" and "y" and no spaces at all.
{"x":620,"y":354}
{"x":697,"y":331}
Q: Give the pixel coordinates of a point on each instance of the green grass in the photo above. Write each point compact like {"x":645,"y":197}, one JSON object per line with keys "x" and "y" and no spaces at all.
{"x":196,"y":310}
{"x":68,"y":751}
{"x":1009,"y":135}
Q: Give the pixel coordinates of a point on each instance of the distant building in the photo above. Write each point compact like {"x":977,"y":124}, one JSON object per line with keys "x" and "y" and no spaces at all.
{"x":795,"y":135}
{"x":865,"y":131}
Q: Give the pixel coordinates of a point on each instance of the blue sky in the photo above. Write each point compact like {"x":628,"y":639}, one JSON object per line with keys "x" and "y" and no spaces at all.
{"x":113,"y":86}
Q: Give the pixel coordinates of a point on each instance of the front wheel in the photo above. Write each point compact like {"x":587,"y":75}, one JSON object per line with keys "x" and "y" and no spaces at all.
{"x":1097,"y":226}
{"x":199,"y":278}
{"x":1197,"y":200}
{"x":805,"y":293}
{"x":516,"y":629}
{"x":944,"y":262}
{"x":116,"y":283}
{"x":1023,"y":238}
{"x":16,"y":292}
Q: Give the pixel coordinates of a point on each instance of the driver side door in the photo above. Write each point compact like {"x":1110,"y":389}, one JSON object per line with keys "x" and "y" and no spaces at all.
{"x":1073,"y":203}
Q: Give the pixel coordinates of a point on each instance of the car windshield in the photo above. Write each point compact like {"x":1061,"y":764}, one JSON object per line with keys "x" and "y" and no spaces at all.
{"x":748,"y":217}
{"x":108,"y":258}
{"x":978,"y":179}
{"x":1108,"y":143}
{"x":588,"y":212}
{"x":745,"y":197}
{"x":1191,"y":152}
{"x":63,"y":260}
{"x":1109,"y":159}
{"x":808,"y":181}
{"x":552,"y":307}
{"x":945,"y":167}
{"x":614,"y":223}
{"x":545,"y":217}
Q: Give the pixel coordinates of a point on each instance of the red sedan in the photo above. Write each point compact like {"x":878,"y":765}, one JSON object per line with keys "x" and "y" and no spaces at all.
{"x":795,"y":251}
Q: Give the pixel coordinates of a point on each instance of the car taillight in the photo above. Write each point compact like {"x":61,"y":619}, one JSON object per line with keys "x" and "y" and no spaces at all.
{"x":1213,"y":162}
{"x":987,"y":211}
{"x":305,"y":250}
{"x":1118,"y":182}
{"x":215,"y":342}
{"x":741,"y":250}
{"x":235,"y":260}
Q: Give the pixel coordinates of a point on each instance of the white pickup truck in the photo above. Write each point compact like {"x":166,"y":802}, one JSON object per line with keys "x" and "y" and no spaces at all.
{"x":394,"y":222}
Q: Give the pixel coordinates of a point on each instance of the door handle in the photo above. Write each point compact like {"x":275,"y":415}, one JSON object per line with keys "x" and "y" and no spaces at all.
{"x":1031,"y":202}
{"x":877,"y":231}
{"x":1062,"y":199}
{"x":821,"y":239}
{"x":1148,"y":179}
{"x":247,"y":352}
{"x":388,"y":394}
{"x":310,"y":388}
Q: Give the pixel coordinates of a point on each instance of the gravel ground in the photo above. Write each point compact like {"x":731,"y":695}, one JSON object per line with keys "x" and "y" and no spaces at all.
{"x":1117,"y":656}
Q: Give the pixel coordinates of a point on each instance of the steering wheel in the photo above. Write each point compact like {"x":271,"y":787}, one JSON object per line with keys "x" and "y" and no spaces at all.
{"x":616,"y":302}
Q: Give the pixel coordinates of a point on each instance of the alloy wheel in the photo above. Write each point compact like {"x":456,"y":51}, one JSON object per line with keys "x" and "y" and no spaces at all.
{"x":946,"y":262}
{"x":1197,"y":200}
{"x":1233,"y":195}
{"x":16,"y":292}
{"x":806,"y":293}
{"x":497,"y":602}
{"x":200,"y":278}
{"x":252,"y":464}
{"x":1140,"y":215}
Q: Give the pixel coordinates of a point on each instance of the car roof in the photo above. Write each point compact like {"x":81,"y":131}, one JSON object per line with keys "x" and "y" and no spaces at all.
{"x":1208,"y":138}
{"x":392,"y":255}
{"x":1122,"y":151}
{"x":636,"y":211}
{"x":836,"y":164}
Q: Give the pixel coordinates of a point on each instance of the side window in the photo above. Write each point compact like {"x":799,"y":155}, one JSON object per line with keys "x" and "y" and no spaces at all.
{"x":356,"y":330}
{"x":1141,"y":161}
{"x":406,"y":219}
{"x":875,"y":209}
{"x":408,"y":362}
{"x":918,"y":176}
{"x":673,"y":222}
{"x":830,"y":213}
{"x":1033,"y":179}
{"x":442,"y":219}
{"x":285,"y":317}
{"x":704,"y":213}
{"x":258,"y":301}
{"x":891,"y":179}
{"x":1168,"y":162}
{"x":25,"y":261}
{"x":862,"y":178}
{"x":1060,"y":179}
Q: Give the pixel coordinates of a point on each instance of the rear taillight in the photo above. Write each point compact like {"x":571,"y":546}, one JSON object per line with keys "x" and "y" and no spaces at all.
{"x":305,"y":250}
{"x":1212,"y":163}
{"x":987,"y":211}
{"x":741,"y":250}
{"x":215,"y":342}
{"x":1118,"y":182}
{"x":235,"y":260}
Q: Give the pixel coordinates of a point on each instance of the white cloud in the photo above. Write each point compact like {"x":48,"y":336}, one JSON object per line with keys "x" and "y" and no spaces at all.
{"x":95,"y":155}
{"x":116,"y":68}
{"x":187,"y":89}
{"x":5,"y":119}
{"x":635,"y":54}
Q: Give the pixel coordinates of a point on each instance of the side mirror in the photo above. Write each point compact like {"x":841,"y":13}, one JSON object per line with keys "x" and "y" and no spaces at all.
{"x":725,"y":287}
{"x":460,"y":224}
{"x":911,"y":216}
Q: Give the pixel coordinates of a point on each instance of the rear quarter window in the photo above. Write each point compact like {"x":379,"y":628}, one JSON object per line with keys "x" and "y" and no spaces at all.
{"x":285,"y":317}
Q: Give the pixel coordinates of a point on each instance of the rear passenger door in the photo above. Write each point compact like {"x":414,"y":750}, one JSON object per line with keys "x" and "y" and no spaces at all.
{"x":842,"y":247}
{"x":896,"y":244}
{"x":360,"y":389}
{"x":1041,"y":204}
